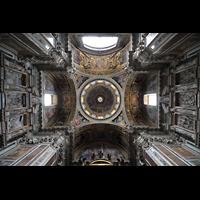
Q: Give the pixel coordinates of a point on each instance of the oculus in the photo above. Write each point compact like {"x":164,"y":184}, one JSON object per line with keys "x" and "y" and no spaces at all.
{"x":100,"y":99}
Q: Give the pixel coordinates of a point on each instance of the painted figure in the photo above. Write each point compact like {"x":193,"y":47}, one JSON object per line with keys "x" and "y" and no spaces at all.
{"x":100,"y":63}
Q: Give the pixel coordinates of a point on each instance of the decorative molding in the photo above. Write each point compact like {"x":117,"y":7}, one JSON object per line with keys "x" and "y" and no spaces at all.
{"x":143,"y":142}
{"x":57,"y":142}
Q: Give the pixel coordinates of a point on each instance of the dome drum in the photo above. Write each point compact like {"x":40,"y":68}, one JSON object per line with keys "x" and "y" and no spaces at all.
{"x":100,"y":99}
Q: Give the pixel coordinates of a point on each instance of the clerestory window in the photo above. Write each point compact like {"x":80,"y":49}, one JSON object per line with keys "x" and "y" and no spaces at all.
{"x":150,"y":99}
{"x":50,"y":99}
{"x":99,"y":43}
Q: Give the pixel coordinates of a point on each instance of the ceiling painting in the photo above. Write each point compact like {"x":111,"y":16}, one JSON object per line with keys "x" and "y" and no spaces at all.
{"x":121,"y":79}
{"x":120,"y":120}
{"x":49,"y":84}
{"x":100,"y":101}
{"x":100,"y":65}
{"x":79,"y":79}
{"x":61,"y":114}
{"x":100,"y":134}
{"x":151,"y":85}
{"x":50,"y":116}
{"x":88,"y":151}
{"x":80,"y":120}
{"x":137,"y":112}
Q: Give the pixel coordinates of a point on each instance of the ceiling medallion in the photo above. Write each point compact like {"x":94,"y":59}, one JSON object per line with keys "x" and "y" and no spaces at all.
{"x":100,"y":99}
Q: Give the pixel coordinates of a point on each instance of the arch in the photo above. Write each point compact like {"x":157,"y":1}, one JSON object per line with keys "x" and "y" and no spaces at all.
{"x":101,"y":162}
{"x":98,"y":137}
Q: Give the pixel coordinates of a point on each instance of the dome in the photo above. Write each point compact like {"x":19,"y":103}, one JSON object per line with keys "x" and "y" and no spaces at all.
{"x":100,"y":99}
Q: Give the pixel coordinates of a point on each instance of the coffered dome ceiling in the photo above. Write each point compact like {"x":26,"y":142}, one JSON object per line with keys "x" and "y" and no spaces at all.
{"x":100,"y":99}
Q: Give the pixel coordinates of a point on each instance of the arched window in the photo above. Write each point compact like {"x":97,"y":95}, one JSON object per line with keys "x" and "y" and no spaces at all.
{"x":99,"y":43}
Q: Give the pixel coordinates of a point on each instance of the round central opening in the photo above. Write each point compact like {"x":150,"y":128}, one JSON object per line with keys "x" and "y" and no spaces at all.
{"x":100,"y":99}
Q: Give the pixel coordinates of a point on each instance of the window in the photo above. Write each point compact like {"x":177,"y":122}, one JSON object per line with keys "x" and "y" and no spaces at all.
{"x":99,"y":43}
{"x":150,"y":38}
{"x":50,"y":99}
{"x":50,"y":38}
{"x":150,"y":99}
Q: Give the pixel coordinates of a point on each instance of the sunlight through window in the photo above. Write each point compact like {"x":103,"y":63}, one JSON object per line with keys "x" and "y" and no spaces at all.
{"x":99,"y":43}
{"x":47,"y":100}
{"x":150,"y":99}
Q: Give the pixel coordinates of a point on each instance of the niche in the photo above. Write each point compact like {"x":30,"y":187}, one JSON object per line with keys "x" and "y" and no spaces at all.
{"x":186,"y":76}
{"x":185,"y":99}
{"x":187,"y":122}
{"x":14,"y":77}
{"x":16,"y":100}
{"x":16,"y":122}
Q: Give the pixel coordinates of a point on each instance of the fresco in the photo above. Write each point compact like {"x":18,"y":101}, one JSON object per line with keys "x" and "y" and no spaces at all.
{"x":49,"y":114}
{"x":120,"y":79}
{"x":120,"y":119}
{"x":61,"y":121}
{"x":134,"y":99}
{"x":81,"y":80}
{"x":80,"y":120}
{"x":94,"y":105}
{"x":140,"y":120}
{"x":99,"y":63}
{"x":151,"y":85}
{"x":49,"y":85}
{"x":139,"y":79}
{"x":66,"y":99}
{"x":152,"y":114}
{"x":105,"y":148}
{"x":123,"y":58}
{"x":76,"y":56}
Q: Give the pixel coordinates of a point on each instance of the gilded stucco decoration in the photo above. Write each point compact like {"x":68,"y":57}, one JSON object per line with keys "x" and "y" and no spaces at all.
{"x":97,"y":136}
{"x":100,"y":99}
{"x":100,"y":65}
{"x":62,"y":113}
{"x":151,"y":85}
{"x":137,"y":113}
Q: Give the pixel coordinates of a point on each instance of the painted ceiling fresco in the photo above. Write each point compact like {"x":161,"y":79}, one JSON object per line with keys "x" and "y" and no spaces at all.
{"x":105,"y":148}
{"x":100,"y":65}
{"x":151,"y":113}
{"x":137,"y":113}
{"x":100,"y":137}
{"x":62,"y":113}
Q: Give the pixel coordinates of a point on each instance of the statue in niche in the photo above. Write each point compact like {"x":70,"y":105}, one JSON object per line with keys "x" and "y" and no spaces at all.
{"x":186,"y":99}
{"x":187,"y":76}
{"x":185,"y":121}
{"x":15,"y":122}
{"x":164,"y":99}
{"x":14,"y":77}
{"x":36,"y":100}
{"x":14,"y":100}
